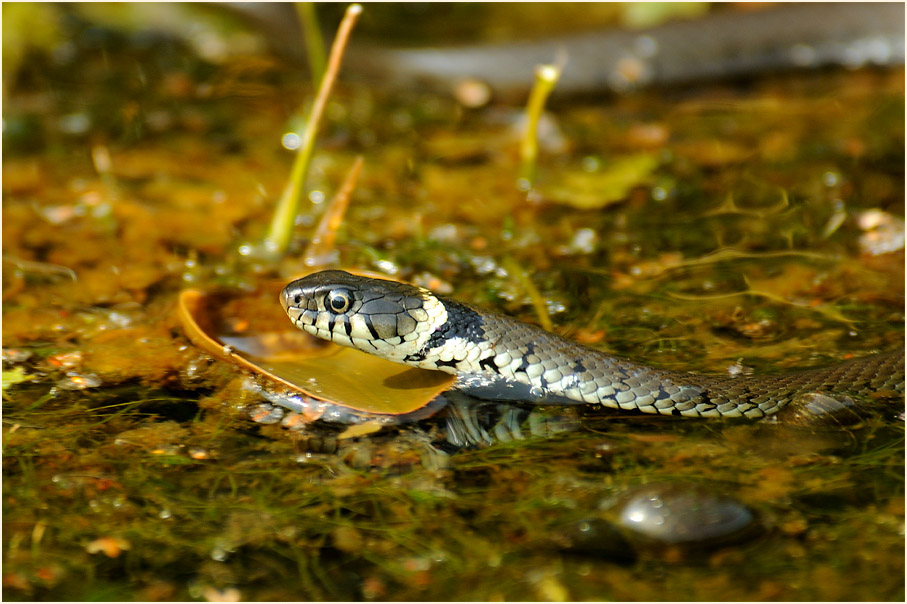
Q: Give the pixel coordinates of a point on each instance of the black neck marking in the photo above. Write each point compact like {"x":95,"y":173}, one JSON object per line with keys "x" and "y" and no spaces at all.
{"x":462,"y":322}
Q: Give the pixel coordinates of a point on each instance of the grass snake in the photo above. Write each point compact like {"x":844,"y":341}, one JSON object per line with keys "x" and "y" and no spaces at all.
{"x":497,"y":357}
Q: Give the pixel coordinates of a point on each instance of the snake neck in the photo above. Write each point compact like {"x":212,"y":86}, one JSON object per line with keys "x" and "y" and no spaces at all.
{"x":498,"y":357}
{"x":459,"y":343}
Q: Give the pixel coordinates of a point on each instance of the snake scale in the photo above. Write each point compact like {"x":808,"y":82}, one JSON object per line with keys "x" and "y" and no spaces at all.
{"x":495,"y":354}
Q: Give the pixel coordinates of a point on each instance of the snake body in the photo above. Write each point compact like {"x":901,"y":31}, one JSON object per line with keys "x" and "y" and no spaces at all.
{"x":498,"y":357}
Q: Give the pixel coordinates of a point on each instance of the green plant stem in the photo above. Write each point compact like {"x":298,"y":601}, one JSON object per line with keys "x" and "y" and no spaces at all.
{"x":320,"y":250}
{"x":314,"y":43}
{"x":280,"y":232}
{"x":546,"y":77}
{"x":538,"y":301}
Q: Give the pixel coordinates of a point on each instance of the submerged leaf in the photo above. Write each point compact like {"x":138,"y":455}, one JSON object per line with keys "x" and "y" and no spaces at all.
{"x":593,"y":190}
{"x":291,"y":357}
{"x":15,"y":376}
{"x":360,"y":430}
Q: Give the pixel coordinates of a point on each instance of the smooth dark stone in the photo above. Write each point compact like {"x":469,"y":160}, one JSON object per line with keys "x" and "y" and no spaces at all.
{"x":683,"y":515}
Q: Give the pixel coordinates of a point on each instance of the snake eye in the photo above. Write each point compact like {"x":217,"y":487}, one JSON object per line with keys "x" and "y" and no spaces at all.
{"x":338,"y":301}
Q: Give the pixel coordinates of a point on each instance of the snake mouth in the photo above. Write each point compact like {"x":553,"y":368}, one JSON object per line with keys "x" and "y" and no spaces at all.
{"x":285,"y":299}
{"x":294,"y":303}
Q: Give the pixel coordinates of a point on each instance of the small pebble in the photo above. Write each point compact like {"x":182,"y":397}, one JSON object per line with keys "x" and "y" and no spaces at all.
{"x":815,"y":409}
{"x":883,"y":233}
{"x":266,"y":414}
{"x":15,"y":355}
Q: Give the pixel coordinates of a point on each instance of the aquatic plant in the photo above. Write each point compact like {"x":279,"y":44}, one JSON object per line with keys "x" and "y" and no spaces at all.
{"x":279,"y":234}
{"x":546,"y":77}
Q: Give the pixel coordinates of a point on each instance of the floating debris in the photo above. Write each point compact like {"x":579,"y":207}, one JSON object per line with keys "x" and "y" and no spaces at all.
{"x":66,"y":360}
{"x":12,"y":356}
{"x":15,"y":376}
{"x":362,"y":429}
{"x":111,"y":547}
{"x":200,"y":453}
{"x":78,"y":381}
{"x":230,"y":594}
{"x":266,"y":414}
{"x":584,"y":190}
{"x":883,"y":233}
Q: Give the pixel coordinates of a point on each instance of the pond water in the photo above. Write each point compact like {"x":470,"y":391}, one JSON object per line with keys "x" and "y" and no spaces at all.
{"x":748,"y":226}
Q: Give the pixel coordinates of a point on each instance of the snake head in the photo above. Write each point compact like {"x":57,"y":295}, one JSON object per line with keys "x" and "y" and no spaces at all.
{"x":393,"y":320}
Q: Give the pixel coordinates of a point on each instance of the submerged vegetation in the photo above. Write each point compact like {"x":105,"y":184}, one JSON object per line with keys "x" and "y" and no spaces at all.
{"x":722,"y":227}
